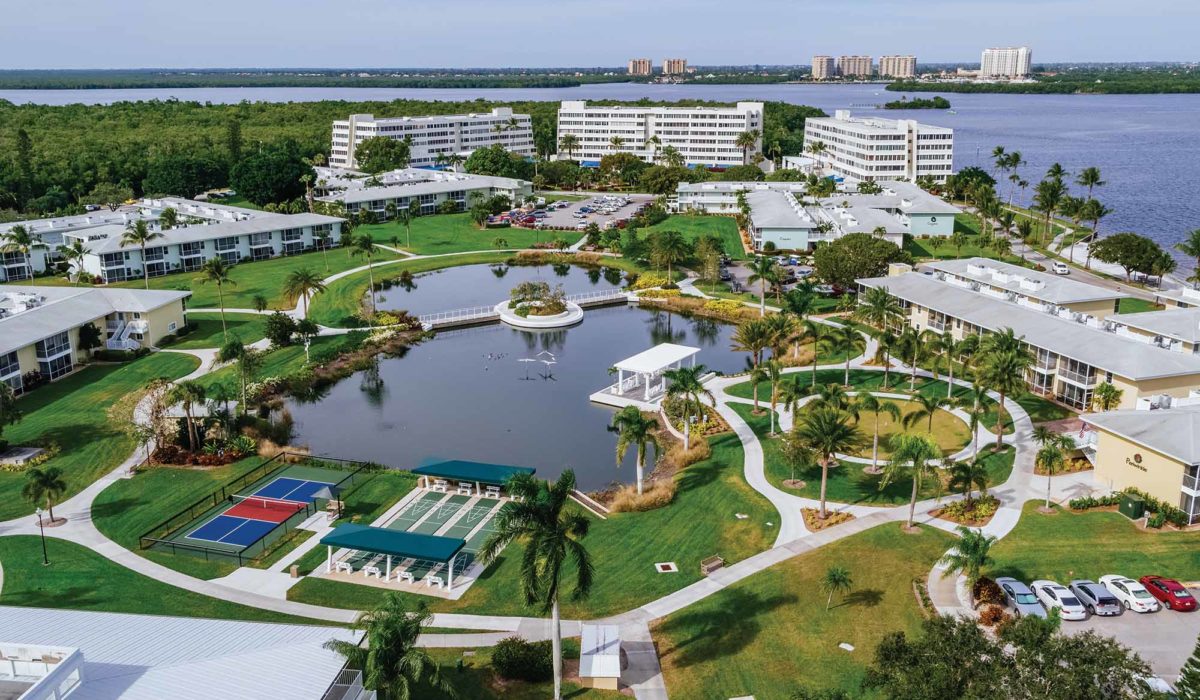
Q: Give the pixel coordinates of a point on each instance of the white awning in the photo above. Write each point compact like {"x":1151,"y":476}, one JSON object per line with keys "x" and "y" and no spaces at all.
{"x":657,"y":358}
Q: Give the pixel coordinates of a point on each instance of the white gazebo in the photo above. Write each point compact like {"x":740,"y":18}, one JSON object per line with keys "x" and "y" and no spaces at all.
{"x":646,"y":368}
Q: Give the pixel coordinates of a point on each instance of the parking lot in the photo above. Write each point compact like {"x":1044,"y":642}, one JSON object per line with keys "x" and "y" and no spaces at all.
{"x":565,"y":217}
{"x":1164,"y":639}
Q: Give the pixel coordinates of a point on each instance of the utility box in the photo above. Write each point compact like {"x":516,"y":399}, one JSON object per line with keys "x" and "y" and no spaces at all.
{"x":1132,"y":506}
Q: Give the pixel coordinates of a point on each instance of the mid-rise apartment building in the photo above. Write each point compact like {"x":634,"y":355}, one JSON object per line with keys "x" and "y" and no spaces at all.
{"x":433,"y":136}
{"x":422,"y":190}
{"x":881,"y":149}
{"x":854,"y":66}
{"x":898,"y":66}
{"x":639,"y":66}
{"x":824,"y":68}
{"x":1007,"y":62}
{"x":704,"y":136}
{"x":674,"y":66}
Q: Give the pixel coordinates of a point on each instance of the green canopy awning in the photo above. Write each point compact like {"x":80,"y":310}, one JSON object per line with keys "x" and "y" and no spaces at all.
{"x":394,"y":542}
{"x":460,"y":470}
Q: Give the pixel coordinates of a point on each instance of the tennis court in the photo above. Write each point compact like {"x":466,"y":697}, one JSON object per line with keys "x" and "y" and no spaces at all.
{"x":252,"y":516}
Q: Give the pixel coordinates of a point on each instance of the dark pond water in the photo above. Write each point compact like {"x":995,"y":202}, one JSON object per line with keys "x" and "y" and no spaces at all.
{"x":466,"y":395}
{"x":487,"y":285}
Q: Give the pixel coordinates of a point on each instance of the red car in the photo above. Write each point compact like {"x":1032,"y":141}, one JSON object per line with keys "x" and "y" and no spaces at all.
{"x":1169,"y":592}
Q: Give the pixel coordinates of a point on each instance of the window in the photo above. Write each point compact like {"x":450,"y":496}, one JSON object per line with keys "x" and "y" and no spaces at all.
{"x":54,"y":345}
{"x":171,"y":327}
{"x":9,"y":365}
{"x":56,"y":367}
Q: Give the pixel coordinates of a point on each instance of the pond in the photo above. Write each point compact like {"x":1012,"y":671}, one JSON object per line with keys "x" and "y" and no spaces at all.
{"x":466,"y":394}
{"x":487,"y":285}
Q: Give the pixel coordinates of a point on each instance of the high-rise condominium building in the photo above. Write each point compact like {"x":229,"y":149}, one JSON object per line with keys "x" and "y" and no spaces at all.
{"x":880,"y":149}
{"x":453,"y":134}
{"x":854,"y":66}
{"x":1010,"y":62}
{"x":704,"y":136}
{"x":823,"y":67}
{"x":640,"y":66}
{"x":898,"y":66}
{"x":674,"y":66}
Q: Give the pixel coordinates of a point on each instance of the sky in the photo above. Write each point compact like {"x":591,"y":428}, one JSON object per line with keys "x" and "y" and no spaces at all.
{"x":542,"y":33}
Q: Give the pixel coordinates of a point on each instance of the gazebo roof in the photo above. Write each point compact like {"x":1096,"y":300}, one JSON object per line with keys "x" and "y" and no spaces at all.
{"x":462,"y":470}
{"x":656,"y":358}
{"x":394,"y":542}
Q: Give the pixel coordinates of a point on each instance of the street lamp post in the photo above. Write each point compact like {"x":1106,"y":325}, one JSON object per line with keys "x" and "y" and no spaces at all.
{"x":42,"y":529}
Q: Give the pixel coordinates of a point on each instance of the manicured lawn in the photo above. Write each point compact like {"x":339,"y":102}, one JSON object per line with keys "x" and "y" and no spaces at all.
{"x":248,"y":328}
{"x":456,"y":233}
{"x":477,"y":678}
{"x":85,"y":415}
{"x":80,"y":579}
{"x":770,"y":635}
{"x":278,"y":362}
{"x":693,"y":227}
{"x":950,"y":432}
{"x":821,"y":305}
{"x":848,"y":483}
{"x":238,"y":201}
{"x":700,"y":522}
{"x":1069,"y":545}
{"x":940,"y":248}
{"x":1133,"y":305}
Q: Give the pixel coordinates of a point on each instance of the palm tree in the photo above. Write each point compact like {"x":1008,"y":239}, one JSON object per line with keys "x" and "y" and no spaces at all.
{"x":1190,"y":246}
{"x":216,"y":271}
{"x":757,"y":375}
{"x":826,"y":432}
{"x":917,"y":451}
{"x":752,"y":336}
{"x":774,"y":370}
{"x":668,"y":248}
{"x":1047,"y":198}
{"x":684,"y":383}
{"x":1093,"y":211}
{"x":746,"y":141}
{"x":21,"y":240}
{"x":249,"y":361}
{"x":189,"y":394}
{"x":568,"y":143}
{"x":836,"y":580}
{"x":888,"y":343}
{"x":781,"y":328}
{"x":791,"y":393}
{"x":1050,"y":457}
{"x":615,"y":143}
{"x":1106,"y":397}
{"x":74,"y":255}
{"x":635,"y":429}
{"x":655,"y":143}
{"x":957,"y":239}
{"x":764,"y":272}
{"x":405,"y":216}
{"x":970,"y":555}
{"x":999,"y":158}
{"x":301,"y":284}
{"x":44,"y":485}
{"x":1056,"y":172}
{"x":947,"y":348}
{"x":1004,"y":359}
{"x":968,"y":476}
{"x":816,"y":149}
{"x":842,"y":340}
{"x":877,"y":307}
{"x":869,"y":403}
{"x":138,"y":233}
{"x":363,"y":245}
{"x":390,"y":660}
{"x":926,"y":410}
{"x":913,"y":347}
{"x":972,"y":404}
{"x":813,"y":332}
{"x":168,"y":218}
{"x":551,"y":533}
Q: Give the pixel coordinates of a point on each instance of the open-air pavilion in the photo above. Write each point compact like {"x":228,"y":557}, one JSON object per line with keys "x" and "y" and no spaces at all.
{"x":395,"y":545}
{"x":646,"y":368}
{"x":486,"y":478}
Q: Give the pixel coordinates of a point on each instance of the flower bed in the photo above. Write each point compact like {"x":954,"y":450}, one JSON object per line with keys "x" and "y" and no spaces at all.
{"x":814,"y":523}
{"x":977,"y":511}
{"x":1070,"y":466}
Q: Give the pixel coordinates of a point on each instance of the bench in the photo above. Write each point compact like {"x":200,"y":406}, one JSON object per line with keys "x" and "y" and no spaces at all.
{"x":711,"y":564}
{"x":465,"y":489}
{"x":439,"y":485}
{"x":492,"y":492}
{"x":370,"y":570}
{"x":343,"y":566}
{"x":432,"y":580}
{"x":405,"y":576}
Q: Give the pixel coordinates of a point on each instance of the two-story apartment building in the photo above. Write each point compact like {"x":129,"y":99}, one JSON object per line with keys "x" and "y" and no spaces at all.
{"x":422,"y":189}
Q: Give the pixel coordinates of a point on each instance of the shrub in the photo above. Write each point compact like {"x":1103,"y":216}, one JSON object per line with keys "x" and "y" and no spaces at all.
{"x":987,"y":592}
{"x":659,"y":494}
{"x":723,"y":306}
{"x":1156,"y":520}
{"x":648,"y":281}
{"x":659,"y":293}
{"x":993,"y":615}
{"x":514,"y":658}
{"x":279,"y":329}
{"x":678,"y":458}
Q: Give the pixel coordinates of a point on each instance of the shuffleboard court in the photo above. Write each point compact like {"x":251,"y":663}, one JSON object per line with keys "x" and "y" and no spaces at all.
{"x":415,"y":510}
{"x":470,"y":520}
{"x":440,"y":515}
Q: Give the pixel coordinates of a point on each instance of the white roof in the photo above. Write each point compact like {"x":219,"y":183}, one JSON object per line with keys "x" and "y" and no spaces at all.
{"x":1174,"y":432}
{"x":1183,"y":324}
{"x":150,"y":657}
{"x":656,"y":358}
{"x":600,"y":651}
{"x":1047,"y":287}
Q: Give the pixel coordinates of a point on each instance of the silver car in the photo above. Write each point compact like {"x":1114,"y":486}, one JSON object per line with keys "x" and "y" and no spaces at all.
{"x":1020,"y":599}
{"x":1096,"y":598}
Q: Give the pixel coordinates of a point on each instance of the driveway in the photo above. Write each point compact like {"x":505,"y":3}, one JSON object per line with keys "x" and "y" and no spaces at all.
{"x":564,"y":219}
{"x":1164,"y":639}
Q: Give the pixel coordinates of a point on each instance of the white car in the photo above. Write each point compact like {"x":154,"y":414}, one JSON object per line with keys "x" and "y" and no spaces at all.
{"x":1055,"y":595}
{"x":1060,"y":268}
{"x":1132,"y":594}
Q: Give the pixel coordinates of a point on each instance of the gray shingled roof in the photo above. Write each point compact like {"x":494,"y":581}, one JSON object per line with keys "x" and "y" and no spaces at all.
{"x":1174,"y":432}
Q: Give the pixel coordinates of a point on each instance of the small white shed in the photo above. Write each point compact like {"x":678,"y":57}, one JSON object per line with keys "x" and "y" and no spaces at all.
{"x":600,"y":657}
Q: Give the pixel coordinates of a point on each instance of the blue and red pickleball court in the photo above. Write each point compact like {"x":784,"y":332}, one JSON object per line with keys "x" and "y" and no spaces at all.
{"x":252,"y":517}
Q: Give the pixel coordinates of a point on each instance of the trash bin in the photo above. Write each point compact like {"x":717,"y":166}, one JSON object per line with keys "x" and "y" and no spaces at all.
{"x":295,"y":571}
{"x":1132,"y":506}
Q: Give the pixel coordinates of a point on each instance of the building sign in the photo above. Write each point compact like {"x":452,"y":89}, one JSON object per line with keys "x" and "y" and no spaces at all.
{"x":1136,"y":462}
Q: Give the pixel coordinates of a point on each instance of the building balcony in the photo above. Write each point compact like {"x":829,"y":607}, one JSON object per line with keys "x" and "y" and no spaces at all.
{"x":1078,"y":378}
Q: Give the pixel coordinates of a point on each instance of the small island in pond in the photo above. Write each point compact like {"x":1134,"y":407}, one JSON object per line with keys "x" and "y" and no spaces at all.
{"x":936,"y":102}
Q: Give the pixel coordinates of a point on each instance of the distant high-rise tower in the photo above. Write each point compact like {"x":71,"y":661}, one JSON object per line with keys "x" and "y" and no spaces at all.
{"x":898,"y":66}
{"x":640,"y":66}
{"x":854,"y":66}
{"x":674,"y":66}
{"x":823,"y":67}
{"x":1009,"y":62}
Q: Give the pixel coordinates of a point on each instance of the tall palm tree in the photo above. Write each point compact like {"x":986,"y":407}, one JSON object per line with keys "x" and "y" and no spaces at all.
{"x":752,"y":336}
{"x":757,"y":375}
{"x":947,"y":349}
{"x":791,"y":393}
{"x":746,"y":141}
{"x":826,"y":432}
{"x":1004,"y":360}
{"x":390,"y":660}
{"x":842,"y":340}
{"x":913,"y":348}
{"x":168,"y":218}
{"x":551,"y":533}
{"x":774,"y":370}
{"x":216,"y":271}
{"x":813,"y":332}
{"x":878,"y":308}
{"x":189,"y":394}
{"x":816,"y":149}
{"x":917,"y":451}
{"x":568,"y":143}
{"x":782,"y":330}
{"x":656,"y":144}
{"x":1050,"y":457}
{"x":968,"y":476}
{"x":1047,"y":198}
{"x":636,"y":430}
{"x":1190,"y":246}
{"x":138,"y":233}
{"x":21,"y":240}
{"x":616,"y":143}
{"x":363,"y":245}
{"x":684,"y":383}
{"x":301,"y":284}
{"x":763,"y":271}
{"x":869,"y":403}
{"x":1093,"y":211}
{"x":74,"y":255}
{"x":971,"y":403}
{"x":888,"y":343}
{"x":970,"y":555}
{"x":45,"y":486}
{"x":926,"y":410}
{"x":668,"y":248}
{"x":836,"y":580}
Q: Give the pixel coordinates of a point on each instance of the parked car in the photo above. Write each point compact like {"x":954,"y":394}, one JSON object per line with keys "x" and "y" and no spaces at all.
{"x":1019,"y":598}
{"x":1060,"y":268}
{"x":725,"y":276}
{"x":1169,"y":592}
{"x":1132,"y":594}
{"x":1056,"y":595}
{"x":1096,"y":598}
